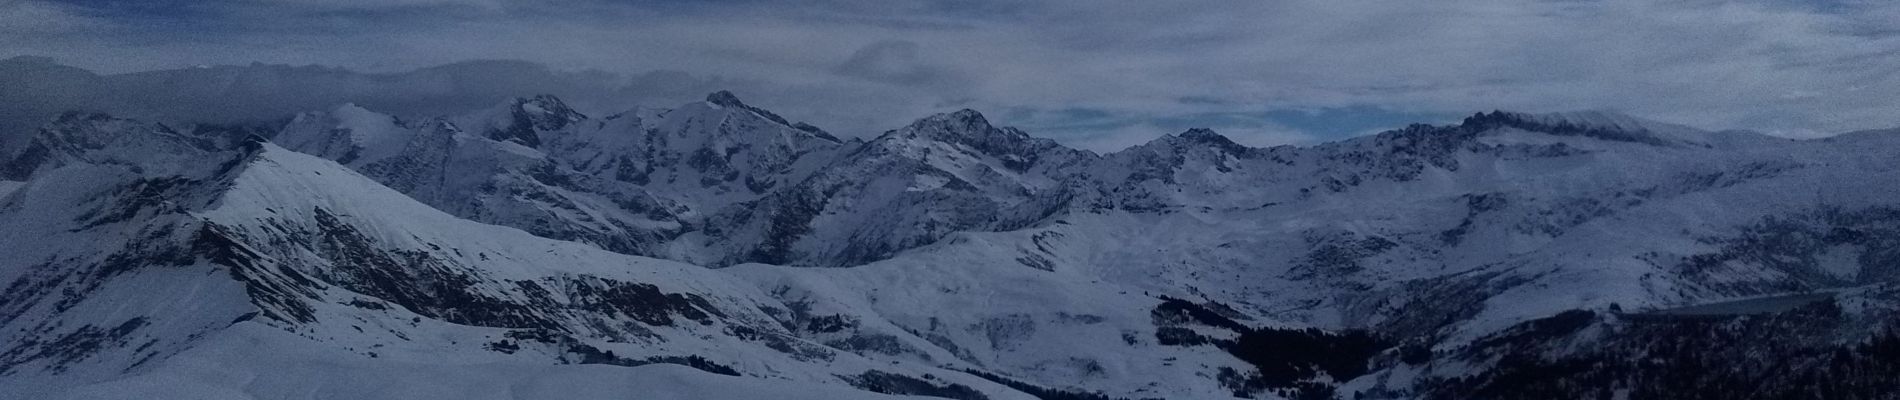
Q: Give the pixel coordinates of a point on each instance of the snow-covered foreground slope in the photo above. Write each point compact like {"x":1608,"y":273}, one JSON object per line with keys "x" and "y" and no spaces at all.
{"x":248,"y":362}
{"x":172,"y":270}
{"x":1485,"y":259}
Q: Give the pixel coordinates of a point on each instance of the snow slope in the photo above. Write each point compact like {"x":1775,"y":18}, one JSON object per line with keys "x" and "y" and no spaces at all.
{"x":322,"y":259}
{"x":237,"y":364}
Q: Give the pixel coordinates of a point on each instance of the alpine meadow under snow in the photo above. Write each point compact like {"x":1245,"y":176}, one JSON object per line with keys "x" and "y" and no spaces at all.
{"x":717,"y":250}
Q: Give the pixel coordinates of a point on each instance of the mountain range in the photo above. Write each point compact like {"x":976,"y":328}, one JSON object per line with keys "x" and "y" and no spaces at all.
{"x":718,"y":250}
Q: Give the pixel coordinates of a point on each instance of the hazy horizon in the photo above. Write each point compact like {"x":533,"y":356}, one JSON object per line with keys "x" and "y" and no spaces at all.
{"x":1096,"y":74}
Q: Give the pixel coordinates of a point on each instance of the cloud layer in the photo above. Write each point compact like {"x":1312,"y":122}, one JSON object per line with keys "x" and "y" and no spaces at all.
{"x":1097,"y":73}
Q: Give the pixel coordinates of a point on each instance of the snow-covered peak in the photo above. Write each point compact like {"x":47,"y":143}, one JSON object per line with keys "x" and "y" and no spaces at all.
{"x":1203,"y":137}
{"x":102,"y":139}
{"x":522,"y":120}
{"x":722,"y":120}
{"x":965,"y":123}
{"x":704,"y":154}
{"x":546,"y":112}
{"x":347,"y":133}
{"x":724,"y":100}
{"x":970,"y":129}
{"x":1171,"y":152}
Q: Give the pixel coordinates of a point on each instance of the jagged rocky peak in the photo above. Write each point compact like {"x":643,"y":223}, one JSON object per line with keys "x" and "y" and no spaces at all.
{"x":968,"y":127}
{"x":715,"y":117}
{"x":546,"y":112}
{"x":965,"y":122}
{"x":1189,"y":141}
{"x":814,"y":130}
{"x":101,"y":139}
{"x":724,"y":98}
{"x":1202,"y":134}
{"x":1208,"y":136}
{"x":1540,"y":122}
{"x":522,"y":120}
{"x":89,"y":137}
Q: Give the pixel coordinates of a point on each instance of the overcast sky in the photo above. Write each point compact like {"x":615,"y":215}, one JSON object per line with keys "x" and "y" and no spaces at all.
{"x":1096,"y":74}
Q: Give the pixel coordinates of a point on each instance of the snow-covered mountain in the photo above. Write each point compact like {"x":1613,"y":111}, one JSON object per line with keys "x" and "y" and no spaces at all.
{"x":528,"y":251}
{"x":135,"y":270}
{"x":906,"y":188}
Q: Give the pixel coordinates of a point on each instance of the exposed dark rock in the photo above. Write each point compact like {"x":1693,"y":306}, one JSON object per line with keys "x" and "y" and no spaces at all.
{"x":889,"y":383}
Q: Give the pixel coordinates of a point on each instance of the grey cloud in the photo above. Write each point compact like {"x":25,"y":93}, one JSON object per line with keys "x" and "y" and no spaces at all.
{"x":895,"y":62}
{"x":861,"y":66}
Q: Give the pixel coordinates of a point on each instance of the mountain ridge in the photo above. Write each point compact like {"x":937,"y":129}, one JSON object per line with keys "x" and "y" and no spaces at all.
{"x":969,"y":260}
